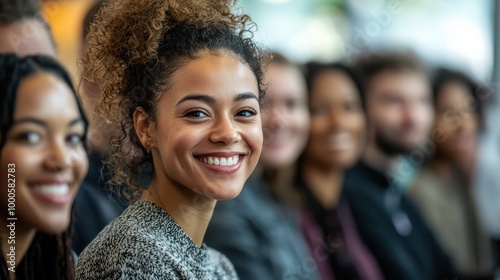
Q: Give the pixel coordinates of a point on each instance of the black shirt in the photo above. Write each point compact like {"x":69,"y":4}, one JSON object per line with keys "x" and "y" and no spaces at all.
{"x":329,"y":221}
{"x":393,"y":229}
{"x":94,"y":209}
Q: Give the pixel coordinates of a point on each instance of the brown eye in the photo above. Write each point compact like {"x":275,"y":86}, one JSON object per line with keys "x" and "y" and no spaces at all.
{"x":246,"y":113}
{"x":75,"y":138}
{"x":197,"y":114}
{"x":29,"y":137}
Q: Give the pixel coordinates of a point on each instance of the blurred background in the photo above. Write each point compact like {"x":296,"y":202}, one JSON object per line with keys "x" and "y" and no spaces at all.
{"x":456,"y":33}
{"x":461,"y":34}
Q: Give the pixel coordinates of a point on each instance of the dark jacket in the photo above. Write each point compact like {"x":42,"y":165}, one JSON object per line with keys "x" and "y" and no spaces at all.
{"x":393,"y":229}
{"x":259,"y":237}
{"x":94,"y":209}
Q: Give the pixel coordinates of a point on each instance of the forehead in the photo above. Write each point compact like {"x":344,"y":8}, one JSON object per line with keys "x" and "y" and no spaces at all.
{"x":45,"y":95}
{"x":453,"y":93}
{"x":332,"y":84}
{"x":26,"y":37}
{"x":284,"y":81}
{"x":219,"y":74}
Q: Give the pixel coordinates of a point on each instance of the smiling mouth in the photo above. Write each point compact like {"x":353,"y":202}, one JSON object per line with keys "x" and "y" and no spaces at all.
{"x":220,"y":161}
{"x":56,"y":193}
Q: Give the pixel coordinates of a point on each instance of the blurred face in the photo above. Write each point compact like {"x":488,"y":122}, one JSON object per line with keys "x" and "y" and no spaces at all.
{"x":285,"y":118}
{"x":208,"y":132}
{"x":26,"y":37}
{"x":458,"y":120}
{"x":337,"y":121}
{"x":399,"y":111}
{"x":45,"y":144}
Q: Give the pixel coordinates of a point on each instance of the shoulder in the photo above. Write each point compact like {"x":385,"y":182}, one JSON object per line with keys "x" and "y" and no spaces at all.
{"x":126,"y":250}
{"x":223,"y":267}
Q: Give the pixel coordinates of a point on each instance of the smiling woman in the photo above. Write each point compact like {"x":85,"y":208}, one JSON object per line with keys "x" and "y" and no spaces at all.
{"x":183,"y":80}
{"x":43,"y":161}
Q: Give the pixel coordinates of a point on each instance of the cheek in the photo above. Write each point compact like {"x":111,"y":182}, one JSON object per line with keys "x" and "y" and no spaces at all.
{"x":318,"y":127}
{"x":302,"y":122}
{"x":80,"y":163}
{"x":254,"y":137}
{"x":443,"y":125}
{"x":358,"y":125}
{"x":24,"y":159}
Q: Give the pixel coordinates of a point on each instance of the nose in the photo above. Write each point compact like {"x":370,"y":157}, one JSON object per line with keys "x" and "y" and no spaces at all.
{"x":224,"y":131}
{"x":336,"y":118}
{"x":58,"y":157}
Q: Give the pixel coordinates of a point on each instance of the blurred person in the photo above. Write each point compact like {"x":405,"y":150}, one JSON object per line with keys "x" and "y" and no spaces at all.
{"x":257,"y":231}
{"x":94,"y":206}
{"x":399,"y":113}
{"x":43,"y":161}
{"x":183,"y":81}
{"x":443,"y":189}
{"x":336,"y":139}
{"x":23,"y":30}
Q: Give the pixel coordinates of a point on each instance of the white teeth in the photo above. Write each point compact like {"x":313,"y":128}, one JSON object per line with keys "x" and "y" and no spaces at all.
{"x":54,"y":190}
{"x":229,"y":161}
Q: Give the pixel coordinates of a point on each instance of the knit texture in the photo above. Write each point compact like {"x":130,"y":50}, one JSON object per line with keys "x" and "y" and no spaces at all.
{"x":146,"y":243}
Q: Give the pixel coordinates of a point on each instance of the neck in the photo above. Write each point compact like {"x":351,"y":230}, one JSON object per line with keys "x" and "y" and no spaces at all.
{"x":19,"y":239}
{"x":375,"y":158}
{"x":191,"y":211}
{"x":324,"y":183}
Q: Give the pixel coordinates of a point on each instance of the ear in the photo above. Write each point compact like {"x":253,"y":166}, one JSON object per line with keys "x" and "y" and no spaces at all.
{"x":145,"y":128}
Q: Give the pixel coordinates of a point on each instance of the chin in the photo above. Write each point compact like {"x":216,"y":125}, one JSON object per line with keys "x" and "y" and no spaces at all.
{"x":54,"y":228}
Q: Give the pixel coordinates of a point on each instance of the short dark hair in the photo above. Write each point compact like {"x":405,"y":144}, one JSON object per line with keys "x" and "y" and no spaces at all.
{"x":18,"y":10}
{"x":371,"y":64}
{"x":13,"y":11}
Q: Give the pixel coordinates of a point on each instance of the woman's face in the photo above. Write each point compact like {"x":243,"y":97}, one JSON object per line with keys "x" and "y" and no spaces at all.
{"x":285,"y":118}
{"x":337,"y":121}
{"x":457,"y":120}
{"x":208,"y":133}
{"x":45,"y":145}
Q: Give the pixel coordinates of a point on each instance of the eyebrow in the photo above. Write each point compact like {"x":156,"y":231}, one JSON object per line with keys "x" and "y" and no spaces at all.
{"x":197,"y":97}
{"x":210,"y":100}
{"x":244,"y":96}
{"x":43,"y":123}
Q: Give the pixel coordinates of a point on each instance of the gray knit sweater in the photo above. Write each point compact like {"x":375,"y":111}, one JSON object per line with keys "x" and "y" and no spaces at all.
{"x":146,"y":243}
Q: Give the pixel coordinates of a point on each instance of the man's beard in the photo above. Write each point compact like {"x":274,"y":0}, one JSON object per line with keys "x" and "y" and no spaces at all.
{"x":392,"y":147}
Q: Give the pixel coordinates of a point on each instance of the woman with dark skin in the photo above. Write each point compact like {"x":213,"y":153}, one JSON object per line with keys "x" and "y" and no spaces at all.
{"x":336,"y":139}
{"x":43,"y":161}
{"x":183,"y":80}
{"x":442,"y":189}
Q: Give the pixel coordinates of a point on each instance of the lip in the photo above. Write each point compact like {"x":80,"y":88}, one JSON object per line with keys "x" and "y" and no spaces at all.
{"x":221,"y":154}
{"x":55,"y":200}
{"x":339,"y":142}
{"x":222,"y":169}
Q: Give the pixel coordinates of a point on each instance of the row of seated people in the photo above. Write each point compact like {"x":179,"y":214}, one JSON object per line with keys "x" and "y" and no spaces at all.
{"x":326,"y":200}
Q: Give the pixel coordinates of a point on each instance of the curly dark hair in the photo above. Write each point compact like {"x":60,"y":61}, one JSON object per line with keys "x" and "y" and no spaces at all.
{"x":134,"y":47}
{"x":49,"y":255}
